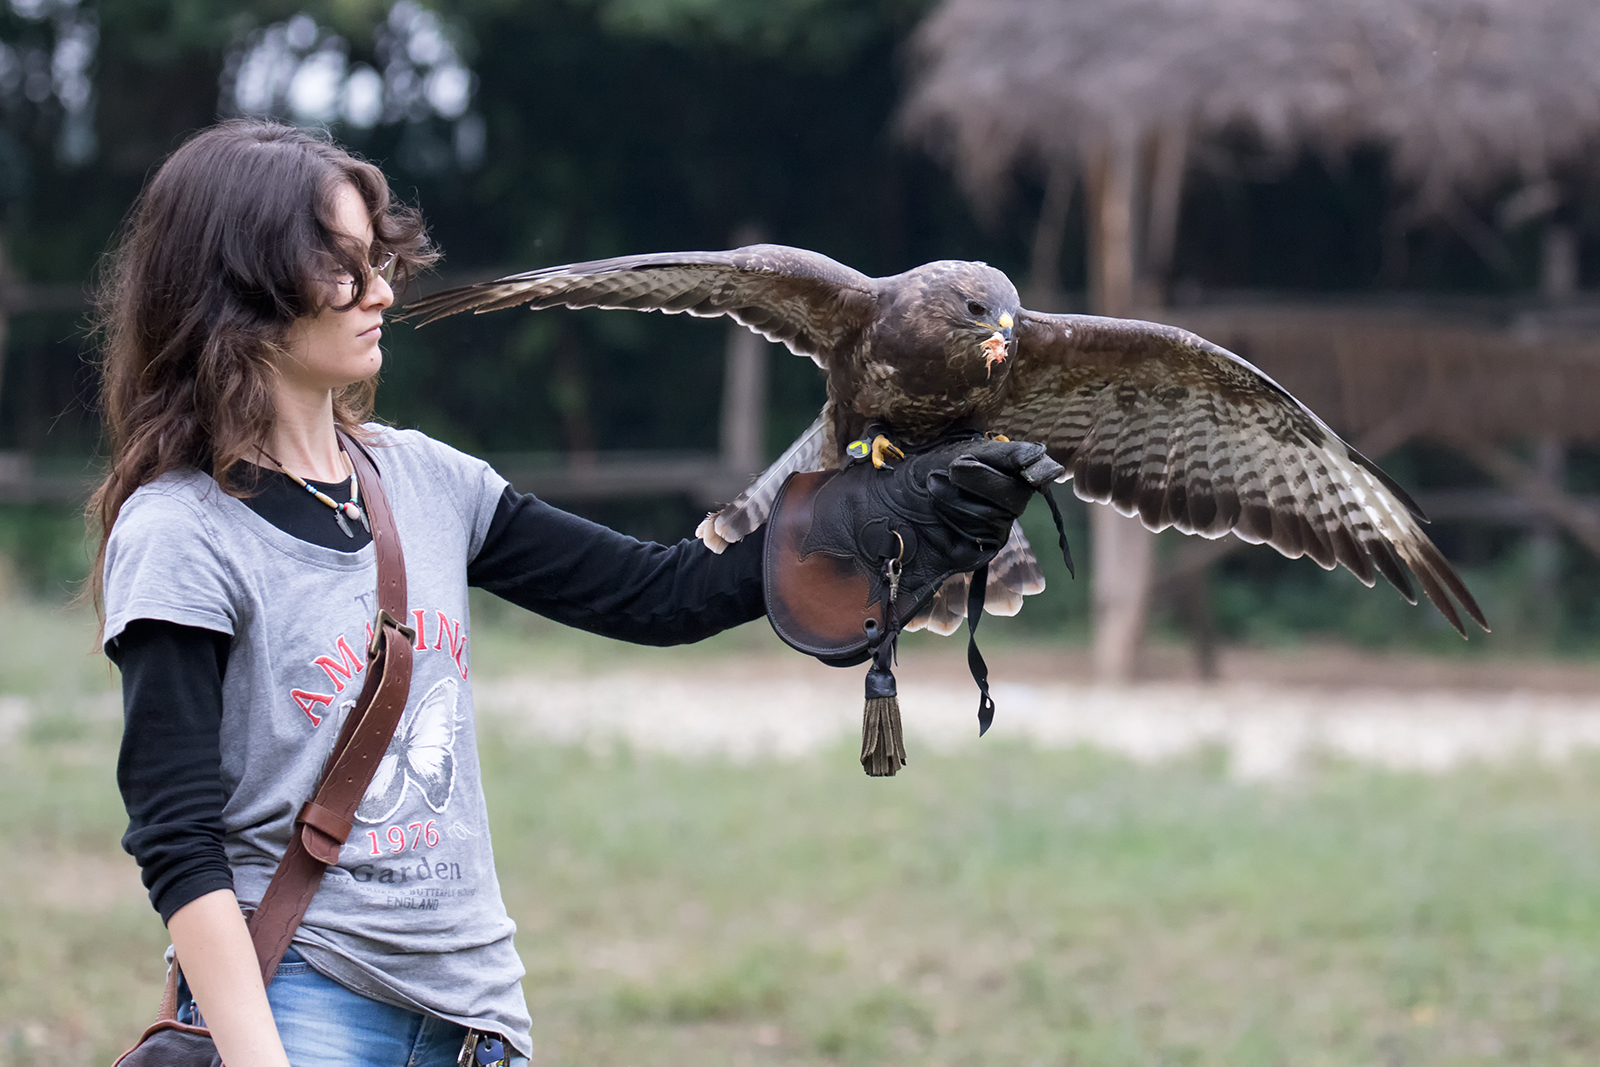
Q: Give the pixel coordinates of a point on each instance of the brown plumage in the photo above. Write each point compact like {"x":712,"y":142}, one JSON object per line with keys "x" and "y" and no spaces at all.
{"x":1150,"y":419}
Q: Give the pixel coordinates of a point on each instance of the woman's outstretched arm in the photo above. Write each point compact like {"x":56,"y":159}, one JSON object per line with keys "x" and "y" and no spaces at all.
{"x":219,"y":962}
{"x":582,"y":574}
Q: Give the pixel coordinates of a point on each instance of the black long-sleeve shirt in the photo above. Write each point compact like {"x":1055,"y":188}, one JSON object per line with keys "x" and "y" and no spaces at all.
{"x":536,"y":556}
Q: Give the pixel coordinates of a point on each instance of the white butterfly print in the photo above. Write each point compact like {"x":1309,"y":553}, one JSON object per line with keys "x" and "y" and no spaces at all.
{"x":421,"y":754}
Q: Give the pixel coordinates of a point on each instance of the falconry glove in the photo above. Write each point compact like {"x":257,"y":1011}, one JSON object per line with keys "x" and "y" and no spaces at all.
{"x":852,"y":555}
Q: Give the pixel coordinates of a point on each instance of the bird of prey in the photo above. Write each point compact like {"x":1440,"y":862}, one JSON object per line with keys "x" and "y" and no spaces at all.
{"x":1151,"y":419}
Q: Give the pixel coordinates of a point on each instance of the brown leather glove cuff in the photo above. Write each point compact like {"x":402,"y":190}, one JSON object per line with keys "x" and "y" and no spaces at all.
{"x":823,"y":604}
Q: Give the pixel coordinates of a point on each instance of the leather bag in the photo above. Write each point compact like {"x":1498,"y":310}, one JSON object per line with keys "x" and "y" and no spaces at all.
{"x":324,"y":821}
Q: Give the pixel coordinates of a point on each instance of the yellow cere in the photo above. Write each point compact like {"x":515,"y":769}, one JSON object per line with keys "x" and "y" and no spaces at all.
{"x":1005,"y":320}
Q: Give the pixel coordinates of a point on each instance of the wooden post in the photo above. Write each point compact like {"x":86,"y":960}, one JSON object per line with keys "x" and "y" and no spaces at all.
{"x":744,"y":387}
{"x":1544,"y":540}
{"x":1123,"y":570}
{"x":1558,"y":283}
{"x":1044,"y":267}
{"x":1193,"y":595}
{"x":1169,"y":155}
{"x":1123,"y":562}
{"x":1113,"y":179}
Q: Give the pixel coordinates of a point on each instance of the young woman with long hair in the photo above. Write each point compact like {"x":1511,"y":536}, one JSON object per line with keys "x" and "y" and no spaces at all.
{"x":241,"y":317}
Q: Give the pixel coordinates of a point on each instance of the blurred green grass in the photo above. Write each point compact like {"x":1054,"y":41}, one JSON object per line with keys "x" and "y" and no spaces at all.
{"x":1003,"y":906}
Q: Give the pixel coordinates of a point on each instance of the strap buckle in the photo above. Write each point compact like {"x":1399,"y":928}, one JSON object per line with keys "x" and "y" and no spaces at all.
{"x":405,"y":631}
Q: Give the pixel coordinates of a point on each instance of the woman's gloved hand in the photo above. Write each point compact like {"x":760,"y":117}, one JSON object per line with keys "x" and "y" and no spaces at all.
{"x":843,"y":545}
{"x":985,"y":487}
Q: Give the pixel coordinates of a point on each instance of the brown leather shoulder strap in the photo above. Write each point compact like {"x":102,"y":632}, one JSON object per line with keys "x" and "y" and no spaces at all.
{"x":324,"y":822}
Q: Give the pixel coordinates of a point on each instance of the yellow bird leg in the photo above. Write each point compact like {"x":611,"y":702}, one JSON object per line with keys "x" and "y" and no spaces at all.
{"x":882,"y":447}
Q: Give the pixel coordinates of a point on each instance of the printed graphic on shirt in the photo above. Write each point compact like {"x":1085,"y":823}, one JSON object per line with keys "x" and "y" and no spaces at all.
{"x":341,"y":666}
{"x":421,"y":755}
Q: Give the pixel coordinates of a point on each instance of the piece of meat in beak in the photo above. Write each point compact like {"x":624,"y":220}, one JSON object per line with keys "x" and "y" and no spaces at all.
{"x":994,"y":349}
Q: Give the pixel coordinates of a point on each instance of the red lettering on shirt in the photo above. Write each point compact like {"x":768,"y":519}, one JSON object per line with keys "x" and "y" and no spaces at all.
{"x":343,"y":665}
{"x":458,"y":641}
{"x":307,"y":701}
{"x":422,"y":642}
{"x":341,"y":670}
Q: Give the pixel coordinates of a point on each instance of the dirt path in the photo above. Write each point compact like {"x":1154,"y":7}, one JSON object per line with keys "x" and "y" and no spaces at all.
{"x":1269,"y":712}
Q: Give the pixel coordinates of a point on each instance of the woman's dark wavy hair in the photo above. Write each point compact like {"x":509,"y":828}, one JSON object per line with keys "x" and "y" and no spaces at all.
{"x":229,"y":244}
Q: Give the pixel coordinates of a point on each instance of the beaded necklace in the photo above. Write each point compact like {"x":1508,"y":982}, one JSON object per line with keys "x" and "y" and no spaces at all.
{"x":350,"y":509}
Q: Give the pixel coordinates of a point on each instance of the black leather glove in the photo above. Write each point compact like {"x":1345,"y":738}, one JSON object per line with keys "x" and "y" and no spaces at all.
{"x":986,"y":487}
{"x":844,"y":545}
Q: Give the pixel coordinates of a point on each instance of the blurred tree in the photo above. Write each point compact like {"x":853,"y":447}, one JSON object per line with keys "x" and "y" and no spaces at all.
{"x":530,"y":133}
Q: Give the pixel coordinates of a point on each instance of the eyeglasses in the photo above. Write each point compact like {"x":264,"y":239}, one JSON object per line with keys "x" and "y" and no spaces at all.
{"x":384,"y":268}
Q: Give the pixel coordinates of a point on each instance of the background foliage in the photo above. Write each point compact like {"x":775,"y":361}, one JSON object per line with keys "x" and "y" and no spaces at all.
{"x":557,"y":130}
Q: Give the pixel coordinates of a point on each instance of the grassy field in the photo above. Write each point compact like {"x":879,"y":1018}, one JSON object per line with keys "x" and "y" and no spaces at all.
{"x":1001,"y":907}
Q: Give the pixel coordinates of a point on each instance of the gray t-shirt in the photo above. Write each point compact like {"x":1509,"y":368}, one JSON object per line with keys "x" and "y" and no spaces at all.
{"x":412,"y":914}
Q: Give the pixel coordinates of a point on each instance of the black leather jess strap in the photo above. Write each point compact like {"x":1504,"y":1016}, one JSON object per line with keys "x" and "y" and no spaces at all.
{"x":980,"y":670}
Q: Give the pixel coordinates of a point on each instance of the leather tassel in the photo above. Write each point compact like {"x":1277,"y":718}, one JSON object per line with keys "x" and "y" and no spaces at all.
{"x":883,"y":748}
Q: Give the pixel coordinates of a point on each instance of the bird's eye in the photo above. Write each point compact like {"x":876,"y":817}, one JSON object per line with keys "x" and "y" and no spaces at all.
{"x":975,"y":308}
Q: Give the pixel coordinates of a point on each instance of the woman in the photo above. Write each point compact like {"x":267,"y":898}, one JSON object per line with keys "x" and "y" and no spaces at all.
{"x":242,"y":323}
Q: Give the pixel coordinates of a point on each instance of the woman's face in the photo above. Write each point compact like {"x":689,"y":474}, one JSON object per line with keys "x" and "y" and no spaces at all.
{"x":332,"y":349}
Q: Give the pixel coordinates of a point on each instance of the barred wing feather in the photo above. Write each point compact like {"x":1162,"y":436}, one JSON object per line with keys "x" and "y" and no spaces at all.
{"x":805,"y":300}
{"x":1162,"y":424}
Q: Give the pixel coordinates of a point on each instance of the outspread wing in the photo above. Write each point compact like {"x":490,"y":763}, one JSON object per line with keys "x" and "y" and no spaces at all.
{"x":1163,"y":424}
{"x":807,"y":301}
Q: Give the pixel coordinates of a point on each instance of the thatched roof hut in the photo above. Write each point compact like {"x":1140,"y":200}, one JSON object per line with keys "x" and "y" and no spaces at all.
{"x":1465,"y":94}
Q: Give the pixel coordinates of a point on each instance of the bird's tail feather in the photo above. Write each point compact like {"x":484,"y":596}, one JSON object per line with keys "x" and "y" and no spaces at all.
{"x":1013,"y":574}
{"x":750,"y":509}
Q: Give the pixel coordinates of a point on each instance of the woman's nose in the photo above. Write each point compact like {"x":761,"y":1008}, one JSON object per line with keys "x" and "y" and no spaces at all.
{"x":380,"y":293}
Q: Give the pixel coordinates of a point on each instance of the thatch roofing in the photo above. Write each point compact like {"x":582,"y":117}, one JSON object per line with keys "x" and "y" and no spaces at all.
{"x":1464,"y":92}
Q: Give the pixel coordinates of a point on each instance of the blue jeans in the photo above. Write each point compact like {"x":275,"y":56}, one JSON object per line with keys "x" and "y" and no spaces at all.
{"x":323,"y":1024}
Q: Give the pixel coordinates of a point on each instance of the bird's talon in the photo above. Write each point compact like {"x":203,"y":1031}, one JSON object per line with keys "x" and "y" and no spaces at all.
{"x":882,"y":448}
{"x":991,"y":435}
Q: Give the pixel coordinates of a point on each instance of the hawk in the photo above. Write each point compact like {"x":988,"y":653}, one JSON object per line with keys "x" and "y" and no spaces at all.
{"x":1150,"y":419}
